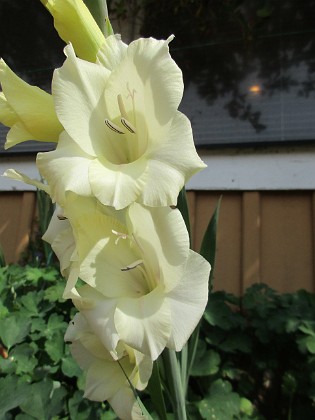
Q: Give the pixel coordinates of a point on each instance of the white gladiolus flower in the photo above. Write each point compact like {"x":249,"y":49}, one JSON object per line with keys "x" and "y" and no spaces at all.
{"x":144,"y":285}
{"x":105,"y":377}
{"x":125,"y":140}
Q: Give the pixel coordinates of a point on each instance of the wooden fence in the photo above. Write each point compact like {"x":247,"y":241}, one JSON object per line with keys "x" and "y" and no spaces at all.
{"x":262,"y":236}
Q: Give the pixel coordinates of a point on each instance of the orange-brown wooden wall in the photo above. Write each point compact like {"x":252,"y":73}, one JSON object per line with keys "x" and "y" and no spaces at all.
{"x":264,"y":237}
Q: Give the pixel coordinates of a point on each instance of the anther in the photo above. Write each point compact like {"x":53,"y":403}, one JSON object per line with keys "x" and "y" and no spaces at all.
{"x":132,"y":266}
{"x":113,"y":127}
{"x":127,"y":125}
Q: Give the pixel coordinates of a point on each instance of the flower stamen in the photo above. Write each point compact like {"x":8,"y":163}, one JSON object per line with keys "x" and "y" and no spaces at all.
{"x":119,"y":235}
{"x":132,"y":266}
{"x":113,"y":127}
{"x":128,"y":125}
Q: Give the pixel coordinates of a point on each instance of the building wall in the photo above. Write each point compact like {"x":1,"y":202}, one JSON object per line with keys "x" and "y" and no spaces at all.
{"x":265,"y":236}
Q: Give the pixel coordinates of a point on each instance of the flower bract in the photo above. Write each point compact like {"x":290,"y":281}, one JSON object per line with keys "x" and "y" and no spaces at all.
{"x":74,"y":23}
{"x":28,"y":110}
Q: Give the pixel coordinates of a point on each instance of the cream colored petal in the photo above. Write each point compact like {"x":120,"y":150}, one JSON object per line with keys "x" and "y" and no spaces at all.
{"x":112,"y":52}
{"x":125,"y":405}
{"x":188,"y":300}
{"x":144,"y":323}
{"x":74,"y":23}
{"x":178,"y":150}
{"x":104,"y":380}
{"x":70,"y":291}
{"x":65,"y":169}
{"x":143,"y":370}
{"x":163,"y":239}
{"x":103,"y":253}
{"x":7,"y":115}
{"x":117,"y":185}
{"x":59,"y":234}
{"x":17,"y":176}
{"x":34,"y":107}
{"x":78,"y":89}
{"x":150,"y":83}
{"x":99,"y":314}
{"x":83,"y":357}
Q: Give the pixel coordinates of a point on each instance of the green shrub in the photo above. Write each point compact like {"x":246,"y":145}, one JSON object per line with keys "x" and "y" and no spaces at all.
{"x":256,"y":356}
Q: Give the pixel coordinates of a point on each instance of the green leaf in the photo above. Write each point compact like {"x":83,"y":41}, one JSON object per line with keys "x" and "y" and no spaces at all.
{"x":221,"y":403}
{"x":12,"y":393}
{"x":182,"y":206}
{"x":306,"y":344}
{"x":207,"y":364}
{"x":246,"y":407}
{"x":55,"y":347}
{"x":14,"y":329}
{"x":45,"y":401}
{"x":30,"y":301}
{"x":55,"y":325}
{"x":208,"y":245}
{"x":156,"y":393}
{"x":23,"y":356}
{"x":54,"y":293}
{"x":70,"y":367}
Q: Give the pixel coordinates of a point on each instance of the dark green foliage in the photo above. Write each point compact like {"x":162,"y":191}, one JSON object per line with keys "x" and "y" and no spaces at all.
{"x":39,"y":379}
{"x":256,"y":357}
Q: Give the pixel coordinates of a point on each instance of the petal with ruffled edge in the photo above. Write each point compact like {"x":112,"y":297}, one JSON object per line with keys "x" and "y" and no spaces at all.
{"x":112,"y":52}
{"x":162,"y":236}
{"x":99,"y":314}
{"x":65,"y":169}
{"x":60,"y":236}
{"x":172,"y":162}
{"x":78,"y":89}
{"x":118,"y":185}
{"x":188,"y":300}
{"x":144,"y":323}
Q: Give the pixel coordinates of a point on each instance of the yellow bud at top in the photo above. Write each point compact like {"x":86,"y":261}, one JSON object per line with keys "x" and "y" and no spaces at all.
{"x":74,"y":23}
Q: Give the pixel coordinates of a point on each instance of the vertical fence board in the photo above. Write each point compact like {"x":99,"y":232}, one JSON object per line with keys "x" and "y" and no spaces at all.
{"x":16,"y":216}
{"x":287,"y":243}
{"x":228,"y":257}
{"x":251,"y":224}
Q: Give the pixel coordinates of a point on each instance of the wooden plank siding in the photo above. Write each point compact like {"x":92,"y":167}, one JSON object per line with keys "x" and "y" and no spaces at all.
{"x":17,"y":210}
{"x":263,"y":236}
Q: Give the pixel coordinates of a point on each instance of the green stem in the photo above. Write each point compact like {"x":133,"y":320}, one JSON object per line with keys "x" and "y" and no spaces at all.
{"x":174,"y":380}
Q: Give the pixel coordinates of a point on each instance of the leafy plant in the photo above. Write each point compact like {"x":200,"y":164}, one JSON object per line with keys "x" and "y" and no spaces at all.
{"x":38,"y":377}
{"x":256,"y":356}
